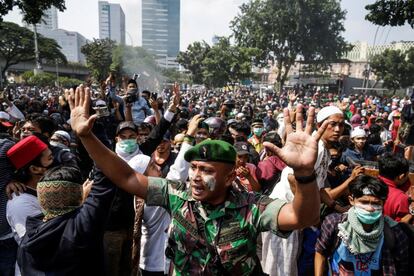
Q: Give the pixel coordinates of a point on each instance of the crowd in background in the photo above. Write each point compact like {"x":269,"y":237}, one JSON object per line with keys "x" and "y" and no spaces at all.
{"x":366,"y":136}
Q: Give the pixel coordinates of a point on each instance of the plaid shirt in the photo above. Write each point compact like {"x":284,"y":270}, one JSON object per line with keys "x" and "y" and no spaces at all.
{"x":394,"y":261}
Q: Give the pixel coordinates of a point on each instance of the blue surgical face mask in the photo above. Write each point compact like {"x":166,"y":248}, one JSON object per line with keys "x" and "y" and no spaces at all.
{"x":127,"y":146}
{"x":367,"y":217}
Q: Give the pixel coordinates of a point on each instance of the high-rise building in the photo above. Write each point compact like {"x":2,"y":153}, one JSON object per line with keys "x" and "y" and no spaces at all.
{"x":111,"y":22}
{"x":161,"y":29}
{"x":49,"y":20}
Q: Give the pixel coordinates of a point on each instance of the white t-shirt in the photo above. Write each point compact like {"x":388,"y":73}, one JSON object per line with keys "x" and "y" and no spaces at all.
{"x":154,"y":239}
{"x":322,"y":165}
{"x":18,"y":209}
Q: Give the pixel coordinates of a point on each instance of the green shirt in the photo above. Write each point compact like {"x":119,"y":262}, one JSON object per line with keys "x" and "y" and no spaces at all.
{"x":231,"y":229}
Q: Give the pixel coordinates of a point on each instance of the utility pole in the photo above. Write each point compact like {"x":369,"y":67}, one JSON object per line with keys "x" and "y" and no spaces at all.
{"x":38,"y":68}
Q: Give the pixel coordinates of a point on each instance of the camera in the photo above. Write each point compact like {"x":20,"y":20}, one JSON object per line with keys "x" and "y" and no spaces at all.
{"x":131,"y":96}
{"x":101,"y":111}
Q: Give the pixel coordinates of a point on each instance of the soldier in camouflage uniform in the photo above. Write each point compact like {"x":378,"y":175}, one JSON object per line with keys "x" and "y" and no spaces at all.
{"x":215,"y":225}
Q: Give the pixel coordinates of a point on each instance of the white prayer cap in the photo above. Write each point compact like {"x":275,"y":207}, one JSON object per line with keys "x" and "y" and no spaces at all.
{"x":325,"y":112}
{"x":358,"y":132}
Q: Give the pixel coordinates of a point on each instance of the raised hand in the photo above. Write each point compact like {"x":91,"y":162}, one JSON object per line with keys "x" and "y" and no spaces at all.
{"x":300,"y":151}
{"x":79,"y":103}
{"x":193,"y":125}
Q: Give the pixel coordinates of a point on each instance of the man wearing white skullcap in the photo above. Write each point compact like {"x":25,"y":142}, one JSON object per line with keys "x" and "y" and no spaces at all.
{"x":360,"y":150}
{"x":335,"y":116}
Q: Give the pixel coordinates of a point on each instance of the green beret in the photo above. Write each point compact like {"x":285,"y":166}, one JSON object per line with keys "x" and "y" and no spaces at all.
{"x":213,"y":151}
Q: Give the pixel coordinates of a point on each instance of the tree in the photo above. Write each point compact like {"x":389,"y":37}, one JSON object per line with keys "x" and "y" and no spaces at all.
{"x":391,"y":12}
{"x":395,"y":68}
{"x":286,"y":29}
{"x":98,"y":55}
{"x":226,"y":63}
{"x":173,"y":75}
{"x":192,"y":60}
{"x":219,"y":64}
{"x":17,"y":45}
{"x":32,"y":9}
{"x":48,"y":79}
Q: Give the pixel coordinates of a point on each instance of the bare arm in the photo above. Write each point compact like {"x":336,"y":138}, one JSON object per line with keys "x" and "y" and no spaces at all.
{"x":341,"y":189}
{"x":300,"y":153}
{"x":320,"y":264}
{"x":128,"y":112}
{"x":117,"y":170}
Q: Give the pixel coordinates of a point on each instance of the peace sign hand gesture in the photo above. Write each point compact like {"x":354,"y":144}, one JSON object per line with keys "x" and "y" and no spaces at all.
{"x":300,"y":151}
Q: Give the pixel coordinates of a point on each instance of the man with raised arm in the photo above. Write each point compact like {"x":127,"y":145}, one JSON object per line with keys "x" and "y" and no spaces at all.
{"x":214,"y":224}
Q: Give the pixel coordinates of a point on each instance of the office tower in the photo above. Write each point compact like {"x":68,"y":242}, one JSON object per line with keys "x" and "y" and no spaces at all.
{"x":161,"y":30}
{"x":49,"y":20}
{"x":111,"y":22}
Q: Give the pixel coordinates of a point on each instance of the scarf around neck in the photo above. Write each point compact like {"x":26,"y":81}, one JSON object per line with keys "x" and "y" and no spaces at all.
{"x":355,"y":238}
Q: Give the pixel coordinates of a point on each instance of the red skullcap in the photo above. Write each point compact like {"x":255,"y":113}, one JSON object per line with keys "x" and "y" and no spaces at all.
{"x":25,"y":151}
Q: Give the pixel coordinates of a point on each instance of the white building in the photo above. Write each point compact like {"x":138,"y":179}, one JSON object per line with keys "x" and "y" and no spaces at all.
{"x":111,"y":22}
{"x":362,"y":51}
{"x":49,"y":20}
{"x":70,"y":42}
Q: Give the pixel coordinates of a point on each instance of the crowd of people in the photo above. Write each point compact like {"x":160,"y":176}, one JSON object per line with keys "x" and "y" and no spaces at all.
{"x":119,"y":181}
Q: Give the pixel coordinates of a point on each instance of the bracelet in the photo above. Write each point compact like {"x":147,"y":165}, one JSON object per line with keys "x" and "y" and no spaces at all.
{"x":306,"y":179}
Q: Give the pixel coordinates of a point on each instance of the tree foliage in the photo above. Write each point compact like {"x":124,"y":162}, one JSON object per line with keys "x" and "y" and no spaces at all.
{"x":395,"y":68}
{"x":48,"y":79}
{"x":98,"y":55}
{"x":219,"y":64}
{"x":285,"y":29}
{"x":17,"y":45}
{"x":192,"y":59}
{"x":32,"y":10}
{"x":391,"y":12}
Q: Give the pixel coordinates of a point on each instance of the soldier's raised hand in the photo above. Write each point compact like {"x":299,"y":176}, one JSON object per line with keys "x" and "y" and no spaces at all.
{"x":300,"y":151}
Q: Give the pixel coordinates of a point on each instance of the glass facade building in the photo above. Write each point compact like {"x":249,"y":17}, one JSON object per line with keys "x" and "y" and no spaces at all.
{"x":161,"y":27}
{"x":111,"y":22}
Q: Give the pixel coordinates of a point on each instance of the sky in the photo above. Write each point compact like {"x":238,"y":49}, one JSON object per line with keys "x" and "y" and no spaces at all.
{"x":202,"y":19}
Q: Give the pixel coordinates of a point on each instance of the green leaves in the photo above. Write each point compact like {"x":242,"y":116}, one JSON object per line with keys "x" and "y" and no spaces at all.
{"x":395,"y":68}
{"x":218,"y":65}
{"x":391,"y":12}
{"x":17,"y":45}
{"x":32,"y":10}
{"x":98,"y":55}
{"x":283,"y":30}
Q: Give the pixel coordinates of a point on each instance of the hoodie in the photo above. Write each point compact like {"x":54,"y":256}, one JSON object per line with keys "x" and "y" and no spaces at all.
{"x":71,"y":244}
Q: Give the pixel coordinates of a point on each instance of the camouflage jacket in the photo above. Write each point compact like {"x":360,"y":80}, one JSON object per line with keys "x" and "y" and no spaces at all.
{"x":228,"y":245}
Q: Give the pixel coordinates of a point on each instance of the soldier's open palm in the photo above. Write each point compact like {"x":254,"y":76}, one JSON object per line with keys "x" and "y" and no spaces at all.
{"x":300,"y":151}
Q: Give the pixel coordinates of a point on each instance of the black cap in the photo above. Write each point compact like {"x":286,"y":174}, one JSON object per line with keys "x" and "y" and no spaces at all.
{"x":241,"y":148}
{"x":126,"y":125}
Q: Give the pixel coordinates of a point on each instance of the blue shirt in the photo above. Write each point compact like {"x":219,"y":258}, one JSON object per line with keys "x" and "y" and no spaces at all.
{"x":368,"y":153}
{"x":140,"y":110}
